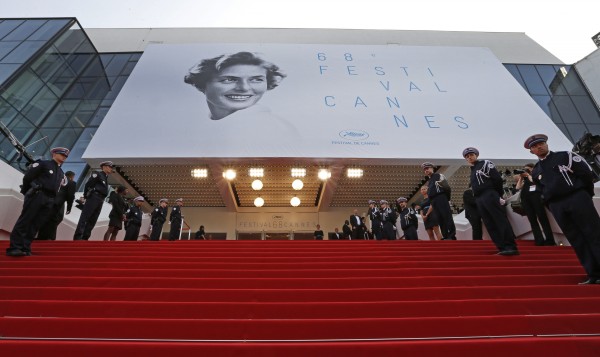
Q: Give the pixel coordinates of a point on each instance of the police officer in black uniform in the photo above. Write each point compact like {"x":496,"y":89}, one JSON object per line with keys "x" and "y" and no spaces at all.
{"x":567,"y":185}
{"x":96,"y":190}
{"x":472,"y":214}
{"x":439,"y":201}
{"x":486,"y":183}
{"x":176,"y":220}
{"x":41,"y":184}
{"x":66,"y":194}
{"x":408,"y":219}
{"x":375,"y":218}
{"x":159,"y":217}
{"x":133,"y":219}
{"x":388,"y":219}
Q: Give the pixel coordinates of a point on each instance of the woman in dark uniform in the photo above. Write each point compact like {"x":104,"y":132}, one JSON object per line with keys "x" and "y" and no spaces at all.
{"x":117,"y":214}
{"x":431,"y":223}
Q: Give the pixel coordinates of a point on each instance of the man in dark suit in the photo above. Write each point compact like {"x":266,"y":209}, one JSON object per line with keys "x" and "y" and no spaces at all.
{"x":346,"y":230}
{"x":357,"y":226}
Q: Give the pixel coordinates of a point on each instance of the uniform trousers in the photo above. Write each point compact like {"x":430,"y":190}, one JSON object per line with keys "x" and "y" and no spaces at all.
{"x":495,"y":220}
{"x":36,"y":209}
{"x":388,"y":231}
{"x":132,"y":232}
{"x":376,"y":229}
{"x":441,"y":208}
{"x":175,"y":229}
{"x":48,"y":230}
{"x":580,"y":223}
{"x":410,"y":233}
{"x":89,"y":217}
{"x":156,"y":230}
{"x":536,"y":211}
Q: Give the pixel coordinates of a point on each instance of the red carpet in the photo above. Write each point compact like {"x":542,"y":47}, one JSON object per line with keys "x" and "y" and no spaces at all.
{"x":296,"y":298}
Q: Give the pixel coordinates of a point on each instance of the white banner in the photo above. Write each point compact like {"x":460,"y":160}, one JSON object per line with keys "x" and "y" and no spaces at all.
{"x":319,"y":101}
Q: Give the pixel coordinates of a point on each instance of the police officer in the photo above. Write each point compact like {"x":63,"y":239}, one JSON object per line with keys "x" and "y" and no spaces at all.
{"x":133,"y":219}
{"x":486,"y":183}
{"x":388,"y":219}
{"x":438,"y":193}
{"x":41,"y":183}
{"x":159,"y":217}
{"x":95,"y":191}
{"x":408,"y":219}
{"x":567,"y":185}
{"x":176,"y":220}
{"x":375,"y":218}
{"x":66,"y":194}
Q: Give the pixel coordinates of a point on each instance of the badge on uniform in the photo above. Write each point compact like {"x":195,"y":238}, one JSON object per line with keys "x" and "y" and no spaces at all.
{"x":577,"y":158}
{"x":35,"y":164}
{"x":94,"y":175}
{"x":540,"y":177}
{"x":51,"y":172}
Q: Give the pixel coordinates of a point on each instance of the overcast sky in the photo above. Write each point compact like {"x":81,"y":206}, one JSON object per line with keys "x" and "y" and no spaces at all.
{"x":564,"y":28}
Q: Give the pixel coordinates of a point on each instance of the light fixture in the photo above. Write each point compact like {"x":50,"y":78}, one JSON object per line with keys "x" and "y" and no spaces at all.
{"x":298,"y":172}
{"x":229,"y":174}
{"x":297,"y":184}
{"x":259,"y":202}
{"x":354,"y":173}
{"x":199,"y":173}
{"x":295,"y":201}
{"x":257,"y":185}
{"x":324,"y":174}
{"x":256,"y":172}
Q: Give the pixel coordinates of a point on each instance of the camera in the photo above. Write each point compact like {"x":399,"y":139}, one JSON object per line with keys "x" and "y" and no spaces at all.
{"x":80,"y":203}
{"x":519,"y":172}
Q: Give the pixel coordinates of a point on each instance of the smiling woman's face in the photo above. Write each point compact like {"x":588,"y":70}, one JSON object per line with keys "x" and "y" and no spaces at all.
{"x":235,"y":88}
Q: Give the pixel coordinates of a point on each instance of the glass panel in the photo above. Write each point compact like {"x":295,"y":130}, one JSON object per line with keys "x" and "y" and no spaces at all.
{"x":7,"y":70}
{"x":515,"y":73}
{"x":7,"y":113}
{"x":98,"y":117}
{"x":49,"y":29}
{"x":587,"y":109}
{"x":7,"y":26}
{"x":67,"y":137}
{"x":577,"y":131}
{"x":563,"y":128}
{"x":534,"y":83}
{"x":544,"y":102}
{"x":567,"y":110}
{"x":23,"y":52}
{"x":128,"y":68}
{"x":37,"y":109}
{"x":24,"y":30}
{"x":552,"y":79}
{"x":555,"y":115}
{"x":6,"y":47}
{"x":594,"y":128}
{"x":574,"y":85}
{"x":116,"y":65}
{"x":82,"y":143}
{"x":23,"y":89}
{"x":47,"y":65}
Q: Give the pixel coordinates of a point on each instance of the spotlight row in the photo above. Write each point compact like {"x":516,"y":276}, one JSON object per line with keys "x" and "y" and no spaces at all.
{"x":259,"y":201}
{"x":323,"y":174}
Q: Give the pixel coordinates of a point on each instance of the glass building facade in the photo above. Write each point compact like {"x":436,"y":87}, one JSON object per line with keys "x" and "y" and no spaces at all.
{"x":55,"y":89}
{"x":559,"y":91}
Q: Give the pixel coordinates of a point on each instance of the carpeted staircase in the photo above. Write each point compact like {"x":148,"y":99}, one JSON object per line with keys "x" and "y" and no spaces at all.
{"x":295,"y":298}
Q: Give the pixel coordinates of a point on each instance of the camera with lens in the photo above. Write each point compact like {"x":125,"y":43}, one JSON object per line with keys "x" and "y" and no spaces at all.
{"x":519,"y":172}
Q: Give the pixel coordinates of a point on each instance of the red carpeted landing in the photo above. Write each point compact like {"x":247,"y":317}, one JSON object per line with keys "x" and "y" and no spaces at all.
{"x":295,"y":298}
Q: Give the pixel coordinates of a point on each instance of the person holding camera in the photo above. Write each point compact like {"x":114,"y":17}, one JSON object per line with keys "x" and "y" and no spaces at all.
{"x":531,"y":200}
{"x":41,"y":184}
{"x":438,"y":192}
{"x":486,"y":183}
{"x":117,"y":213}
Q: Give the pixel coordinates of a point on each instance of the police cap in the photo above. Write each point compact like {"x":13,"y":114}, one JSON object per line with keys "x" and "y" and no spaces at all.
{"x":59,"y":150}
{"x":534,"y":139}
{"x":427,"y":165}
{"x":107,"y":163}
{"x":470,"y":150}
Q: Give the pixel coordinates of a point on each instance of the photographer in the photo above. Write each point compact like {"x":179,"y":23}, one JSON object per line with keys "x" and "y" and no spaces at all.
{"x":531,"y":200}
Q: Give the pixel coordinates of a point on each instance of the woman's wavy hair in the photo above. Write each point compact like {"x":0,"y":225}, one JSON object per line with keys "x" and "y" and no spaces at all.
{"x":203,"y":71}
